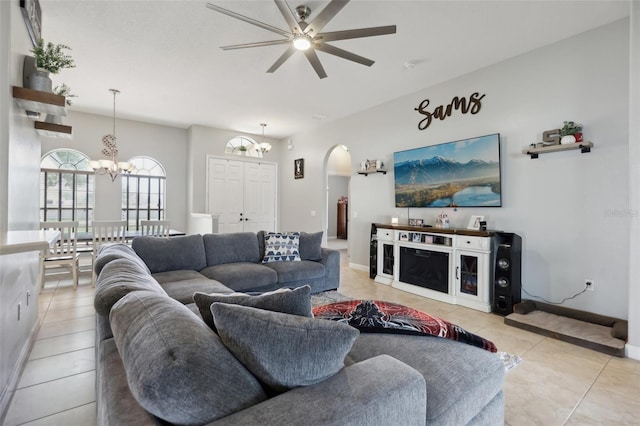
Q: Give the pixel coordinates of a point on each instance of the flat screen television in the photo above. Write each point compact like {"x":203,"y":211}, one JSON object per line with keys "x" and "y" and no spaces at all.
{"x":464,"y":173}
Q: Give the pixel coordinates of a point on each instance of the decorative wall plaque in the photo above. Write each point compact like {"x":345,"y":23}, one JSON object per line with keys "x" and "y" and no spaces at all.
{"x":472,"y":105}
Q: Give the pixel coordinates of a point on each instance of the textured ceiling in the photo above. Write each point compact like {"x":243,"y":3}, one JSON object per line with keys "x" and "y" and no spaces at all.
{"x":164,"y":56}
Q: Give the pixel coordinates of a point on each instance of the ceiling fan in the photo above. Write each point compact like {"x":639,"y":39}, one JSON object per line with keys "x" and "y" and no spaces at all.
{"x":307,"y":37}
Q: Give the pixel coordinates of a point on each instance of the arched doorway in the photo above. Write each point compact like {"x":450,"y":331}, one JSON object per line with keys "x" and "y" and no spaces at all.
{"x":338,"y":179}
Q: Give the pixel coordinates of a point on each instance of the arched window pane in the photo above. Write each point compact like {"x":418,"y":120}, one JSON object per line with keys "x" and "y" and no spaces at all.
{"x":66,"y":187}
{"x":143,"y":193}
{"x":242,"y":145}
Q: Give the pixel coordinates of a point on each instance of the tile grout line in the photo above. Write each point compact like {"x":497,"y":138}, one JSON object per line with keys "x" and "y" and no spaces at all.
{"x":586,"y":391}
{"x":55,"y":380}
{"x":54,"y":414}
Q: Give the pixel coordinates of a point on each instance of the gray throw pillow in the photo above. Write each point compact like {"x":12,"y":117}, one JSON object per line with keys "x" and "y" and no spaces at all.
{"x":285,"y":300}
{"x":311,"y":246}
{"x":177,"y":368}
{"x":283,"y":351}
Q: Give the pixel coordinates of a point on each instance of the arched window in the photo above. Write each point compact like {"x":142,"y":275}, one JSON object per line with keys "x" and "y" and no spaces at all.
{"x":242,"y":145}
{"x":143,"y":192}
{"x":67,"y":185}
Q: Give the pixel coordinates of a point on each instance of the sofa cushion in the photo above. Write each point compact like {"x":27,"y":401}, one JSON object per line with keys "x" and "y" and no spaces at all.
{"x":177,"y":367}
{"x":242,"y":276}
{"x":311,"y":246}
{"x":284,"y":351}
{"x":182,"y":284}
{"x":281,"y":247}
{"x":231,"y":248}
{"x":461,"y":379}
{"x":170,"y":254}
{"x":294,"y":302}
{"x":297,"y":271}
{"x":109,"y":252}
{"x":118,"y":278}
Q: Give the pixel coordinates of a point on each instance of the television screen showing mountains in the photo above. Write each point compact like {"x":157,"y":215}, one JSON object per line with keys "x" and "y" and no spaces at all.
{"x":463,"y":173}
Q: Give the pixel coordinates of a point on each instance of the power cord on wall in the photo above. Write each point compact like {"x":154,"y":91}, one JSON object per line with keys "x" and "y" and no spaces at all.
{"x":586,"y":287}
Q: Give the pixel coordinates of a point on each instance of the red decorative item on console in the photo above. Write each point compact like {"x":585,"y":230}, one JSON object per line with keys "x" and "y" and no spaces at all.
{"x":578,"y":137}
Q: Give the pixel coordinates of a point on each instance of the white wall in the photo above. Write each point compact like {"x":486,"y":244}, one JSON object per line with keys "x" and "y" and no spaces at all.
{"x":20,"y":151}
{"x":633,"y":346}
{"x":568,"y":207}
{"x":167,"y":145}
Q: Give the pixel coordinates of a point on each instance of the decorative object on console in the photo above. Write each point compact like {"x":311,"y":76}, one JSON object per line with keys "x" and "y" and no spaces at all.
{"x":464,"y":173}
{"x":298,"y":168}
{"x":474,"y":222}
{"x":571,"y":132}
{"x":111,"y":166}
{"x":442,"y":220}
{"x":307,"y":36}
{"x":416,"y":222}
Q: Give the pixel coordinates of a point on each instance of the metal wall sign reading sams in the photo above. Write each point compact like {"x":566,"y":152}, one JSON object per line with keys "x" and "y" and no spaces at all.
{"x":471,"y":104}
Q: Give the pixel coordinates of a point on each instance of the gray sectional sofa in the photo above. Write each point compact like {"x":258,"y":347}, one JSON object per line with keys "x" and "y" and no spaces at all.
{"x":158,"y":362}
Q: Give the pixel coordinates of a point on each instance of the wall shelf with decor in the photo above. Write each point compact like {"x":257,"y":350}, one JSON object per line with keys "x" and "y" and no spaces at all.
{"x":368,"y":172}
{"x":534,"y":152}
{"x":43,"y":103}
{"x":35,"y":100}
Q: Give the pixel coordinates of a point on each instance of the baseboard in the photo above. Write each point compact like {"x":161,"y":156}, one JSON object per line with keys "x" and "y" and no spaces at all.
{"x":632,"y":351}
{"x":359,"y":267}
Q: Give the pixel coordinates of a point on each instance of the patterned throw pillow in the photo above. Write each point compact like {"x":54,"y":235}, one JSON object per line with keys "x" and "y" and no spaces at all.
{"x":281,"y":247}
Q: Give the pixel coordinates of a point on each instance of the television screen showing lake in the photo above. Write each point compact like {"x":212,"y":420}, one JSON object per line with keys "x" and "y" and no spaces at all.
{"x":463,"y":173}
{"x":474,"y":196}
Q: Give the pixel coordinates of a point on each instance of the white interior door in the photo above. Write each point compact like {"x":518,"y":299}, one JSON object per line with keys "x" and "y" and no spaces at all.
{"x":242,"y":194}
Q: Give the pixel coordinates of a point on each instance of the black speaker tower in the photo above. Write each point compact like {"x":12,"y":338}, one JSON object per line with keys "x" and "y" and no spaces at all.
{"x":507,"y":283}
{"x":373,"y":251}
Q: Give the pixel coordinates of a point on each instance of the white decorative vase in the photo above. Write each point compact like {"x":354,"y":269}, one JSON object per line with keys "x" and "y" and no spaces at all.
{"x":567,"y":139}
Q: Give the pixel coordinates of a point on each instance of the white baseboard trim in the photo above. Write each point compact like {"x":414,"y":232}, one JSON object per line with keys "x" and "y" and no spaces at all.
{"x":632,"y":352}
{"x":359,"y":267}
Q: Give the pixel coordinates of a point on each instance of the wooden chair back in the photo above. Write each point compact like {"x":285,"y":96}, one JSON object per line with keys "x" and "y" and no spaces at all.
{"x":157,"y":228}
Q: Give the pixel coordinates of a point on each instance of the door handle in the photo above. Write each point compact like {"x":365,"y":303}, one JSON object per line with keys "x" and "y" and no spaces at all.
{"x":457,"y":272}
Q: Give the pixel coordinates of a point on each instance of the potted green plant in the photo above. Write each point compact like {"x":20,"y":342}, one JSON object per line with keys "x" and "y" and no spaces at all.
{"x":49,"y":59}
{"x":571,"y":132}
{"x":65,"y":91}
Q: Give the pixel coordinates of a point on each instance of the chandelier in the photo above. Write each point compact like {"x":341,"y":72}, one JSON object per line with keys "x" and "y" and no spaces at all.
{"x":111,"y":166}
{"x":264,"y":147}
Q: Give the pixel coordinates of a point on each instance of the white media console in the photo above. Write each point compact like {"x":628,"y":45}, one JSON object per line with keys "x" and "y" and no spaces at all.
{"x":449,"y":265}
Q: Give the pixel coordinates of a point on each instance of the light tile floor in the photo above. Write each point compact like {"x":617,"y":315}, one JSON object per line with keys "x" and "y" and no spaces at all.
{"x":556,"y":383}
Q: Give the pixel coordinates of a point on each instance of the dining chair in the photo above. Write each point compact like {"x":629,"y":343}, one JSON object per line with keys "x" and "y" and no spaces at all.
{"x":63,"y":253}
{"x":105,"y":231}
{"x":157,"y":228}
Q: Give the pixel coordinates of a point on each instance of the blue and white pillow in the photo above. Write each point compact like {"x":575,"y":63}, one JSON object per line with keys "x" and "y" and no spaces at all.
{"x":281,"y":247}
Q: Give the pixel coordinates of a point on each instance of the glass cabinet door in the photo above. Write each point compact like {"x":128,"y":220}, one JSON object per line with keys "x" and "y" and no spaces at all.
{"x":468,"y":274}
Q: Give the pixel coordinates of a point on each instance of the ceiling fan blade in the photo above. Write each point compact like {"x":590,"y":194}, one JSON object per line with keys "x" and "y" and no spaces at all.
{"x":332,"y":50}
{"x":249,"y":20}
{"x":281,"y":60}
{"x":256,"y":44}
{"x":357,"y":33}
{"x":288,"y":15}
{"x":312,"y":56}
{"x":325,"y":16}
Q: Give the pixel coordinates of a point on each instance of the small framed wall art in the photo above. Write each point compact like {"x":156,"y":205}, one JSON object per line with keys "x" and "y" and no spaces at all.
{"x":298,"y":168}
{"x":474,"y":222}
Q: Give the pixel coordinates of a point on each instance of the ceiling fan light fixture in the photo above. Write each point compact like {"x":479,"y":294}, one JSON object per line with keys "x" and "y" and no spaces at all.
{"x":302,"y":42}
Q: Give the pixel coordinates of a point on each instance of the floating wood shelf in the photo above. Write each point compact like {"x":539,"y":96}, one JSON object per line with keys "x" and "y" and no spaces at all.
{"x":53,"y":130}
{"x":35,"y":100}
{"x":534,"y":152}
{"x":368,"y":172}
